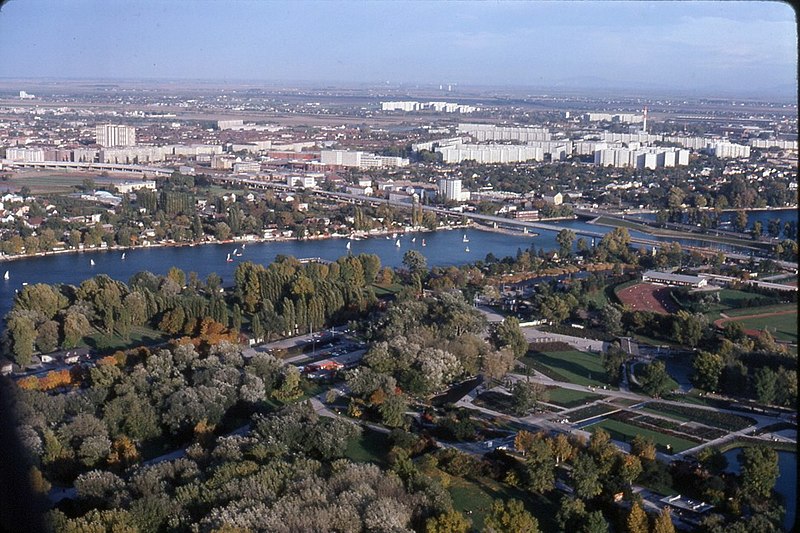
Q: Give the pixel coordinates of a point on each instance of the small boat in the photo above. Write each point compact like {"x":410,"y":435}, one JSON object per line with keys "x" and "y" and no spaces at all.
{"x":6,"y":276}
{"x":388,"y":237}
{"x":91,"y":262}
{"x":465,"y":238}
{"x":348,"y":245}
{"x":228,"y":259}
{"x":123,"y":255}
{"x":394,"y":235}
{"x":413,"y":239}
{"x":466,"y":249}
{"x":244,"y":246}
{"x":397,"y":243}
{"x":423,"y":242}
{"x":235,"y":251}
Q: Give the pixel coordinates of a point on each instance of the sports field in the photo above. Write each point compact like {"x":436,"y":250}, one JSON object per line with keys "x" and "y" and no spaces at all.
{"x":647,"y":297}
{"x":781,"y":320}
{"x":572,"y":366}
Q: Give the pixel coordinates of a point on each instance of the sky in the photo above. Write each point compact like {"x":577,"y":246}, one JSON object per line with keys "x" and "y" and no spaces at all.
{"x":728,"y":46}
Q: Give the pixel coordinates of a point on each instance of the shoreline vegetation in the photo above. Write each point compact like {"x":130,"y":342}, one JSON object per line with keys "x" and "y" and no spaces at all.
{"x":256,"y":240}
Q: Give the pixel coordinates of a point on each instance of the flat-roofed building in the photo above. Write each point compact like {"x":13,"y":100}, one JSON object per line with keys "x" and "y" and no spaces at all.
{"x":678,"y":280}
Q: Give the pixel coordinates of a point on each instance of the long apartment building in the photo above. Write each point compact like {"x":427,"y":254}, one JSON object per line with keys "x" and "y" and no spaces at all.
{"x":346,"y":158}
{"x":492,"y":132}
{"x":647,"y":157}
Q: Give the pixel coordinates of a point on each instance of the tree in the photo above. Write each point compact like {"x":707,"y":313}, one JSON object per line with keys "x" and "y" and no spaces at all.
{"x":21,"y":331}
{"x":508,"y":333}
{"x":643,"y":448}
{"x":415,"y":262}
{"x":525,"y":395}
{"x":759,"y":471}
{"x":565,"y":238}
{"x":510,"y":516}
{"x":586,"y":477}
{"x":393,"y":410}
{"x":611,"y":319}
{"x":637,"y":520}
{"x":655,"y":380}
{"x":594,"y":522}
{"x":497,"y":363}
{"x":663,"y":522}
{"x":708,"y":369}
{"x":740,"y":221}
{"x":765,"y":385}
{"x":449,"y":522}
{"x":612,"y":360}
{"x":540,"y":467}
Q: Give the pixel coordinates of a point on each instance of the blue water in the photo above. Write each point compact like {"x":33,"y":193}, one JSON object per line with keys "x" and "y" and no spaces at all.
{"x":786,"y":485}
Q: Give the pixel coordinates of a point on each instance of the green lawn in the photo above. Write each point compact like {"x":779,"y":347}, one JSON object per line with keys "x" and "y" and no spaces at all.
{"x":572,"y":366}
{"x":474,"y":499}
{"x":782,"y":327}
{"x":371,"y":447}
{"x":570,"y":398}
{"x":746,"y":311}
{"x":625,"y":432}
{"x":386,"y":290}
{"x":139,"y":336}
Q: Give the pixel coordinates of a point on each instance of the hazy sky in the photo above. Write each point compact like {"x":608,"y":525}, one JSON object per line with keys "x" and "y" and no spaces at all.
{"x":686,"y":45}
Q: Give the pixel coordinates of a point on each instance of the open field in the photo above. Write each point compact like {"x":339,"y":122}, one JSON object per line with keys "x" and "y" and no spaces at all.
{"x":780,"y":319}
{"x":54,"y":181}
{"x":139,"y":336}
{"x":572,"y":366}
{"x":648,"y":297}
{"x":474,"y":499}
{"x":570,"y":398}
{"x":371,"y":447}
{"x":626,"y":432}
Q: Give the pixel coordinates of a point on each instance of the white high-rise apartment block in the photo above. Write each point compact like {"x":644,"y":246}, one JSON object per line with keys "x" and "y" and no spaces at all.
{"x":25,"y":155}
{"x":774,"y":143}
{"x":450,"y":190}
{"x":726,"y":149}
{"x":115,"y":135}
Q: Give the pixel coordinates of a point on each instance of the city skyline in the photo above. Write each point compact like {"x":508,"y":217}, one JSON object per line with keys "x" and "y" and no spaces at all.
{"x":731,"y":48}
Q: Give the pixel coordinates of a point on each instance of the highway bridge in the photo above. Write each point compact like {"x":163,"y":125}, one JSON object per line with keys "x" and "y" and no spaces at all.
{"x":97,"y":167}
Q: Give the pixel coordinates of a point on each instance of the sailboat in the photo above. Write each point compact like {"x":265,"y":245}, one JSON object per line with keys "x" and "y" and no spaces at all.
{"x":244,"y":246}
{"x":6,"y":276}
{"x":228,"y":259}
{"x":413,"y":239}
{"x":397,"y":243}
{"x":423,"y":242}
{"x":91,"y":262}
{"x":465,"y":238}
{"x":348,"y":245}
{"x":236,"y":252}
{"x":466,"y":249}
{"x":123,"y":255}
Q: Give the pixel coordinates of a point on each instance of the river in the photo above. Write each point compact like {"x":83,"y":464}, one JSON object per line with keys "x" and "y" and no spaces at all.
{"x":444,"y":248}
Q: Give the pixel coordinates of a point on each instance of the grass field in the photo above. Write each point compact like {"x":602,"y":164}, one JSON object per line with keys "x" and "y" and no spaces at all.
{"x":474,"y":499}
{"x":570,"y":398}
{"x":371,"y":447}
{"x":572,"y":366}
{"x":139,"y":336}
{"x":782,"y":327}
{"x":626,"y":432}
{"x":386,"y":290}
{"x":747,"y":311}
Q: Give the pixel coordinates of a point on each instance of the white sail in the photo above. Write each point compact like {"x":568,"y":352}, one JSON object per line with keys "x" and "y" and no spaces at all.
{"x":348,"y":245}
{"x":123,"y":255}
{"x":465,"y":238}
{"x":397,"y":243}
{"x":466,"y":249}
{"x":423,"y":242}
{"x":6,"y":276}
{"x":413,"y":239}
{"x":228,"y":259}
{"x":91,"y":262}
{"x":235,"y":251}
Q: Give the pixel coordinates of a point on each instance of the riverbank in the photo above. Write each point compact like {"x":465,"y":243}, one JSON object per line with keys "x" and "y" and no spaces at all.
{"x":238,"y":242}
